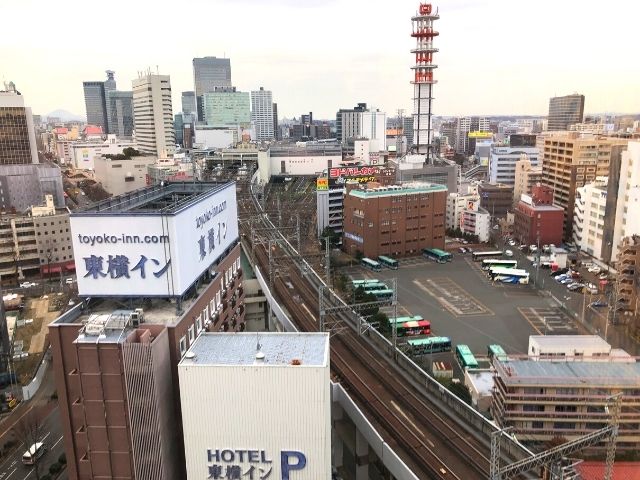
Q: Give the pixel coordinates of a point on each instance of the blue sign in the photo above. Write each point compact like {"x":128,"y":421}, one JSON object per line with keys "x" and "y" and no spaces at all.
{"x":230,"y":464}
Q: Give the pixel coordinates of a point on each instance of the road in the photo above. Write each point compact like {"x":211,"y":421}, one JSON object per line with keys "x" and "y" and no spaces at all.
{"x":13,"y":469}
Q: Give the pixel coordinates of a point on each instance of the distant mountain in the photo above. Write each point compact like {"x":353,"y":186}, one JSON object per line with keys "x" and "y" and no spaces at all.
{"x":66,"y":116}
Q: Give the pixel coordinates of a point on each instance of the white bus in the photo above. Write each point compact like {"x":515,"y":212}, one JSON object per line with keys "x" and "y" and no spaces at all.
{"x":34,"y":453}
{"x":509,"y":275}
{"x":477,"y":256}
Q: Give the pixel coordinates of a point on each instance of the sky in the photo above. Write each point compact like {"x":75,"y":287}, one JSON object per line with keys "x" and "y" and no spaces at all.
{"x":496,"y":56}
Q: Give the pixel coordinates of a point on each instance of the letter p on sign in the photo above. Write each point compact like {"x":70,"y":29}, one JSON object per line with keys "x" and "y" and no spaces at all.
{"x":285,"y":463}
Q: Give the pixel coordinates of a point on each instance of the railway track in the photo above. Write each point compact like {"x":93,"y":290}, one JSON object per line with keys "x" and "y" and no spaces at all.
{"x":422,"y":436}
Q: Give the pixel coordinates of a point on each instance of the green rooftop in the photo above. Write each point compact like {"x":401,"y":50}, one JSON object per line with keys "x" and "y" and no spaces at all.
{"x":406,"y":189}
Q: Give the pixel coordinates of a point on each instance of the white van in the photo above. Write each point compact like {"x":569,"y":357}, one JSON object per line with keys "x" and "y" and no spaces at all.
{"x":34,"y":453}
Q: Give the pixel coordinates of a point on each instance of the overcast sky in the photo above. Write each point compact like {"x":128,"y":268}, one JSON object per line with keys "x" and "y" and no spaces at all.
{"x":496,"y":56}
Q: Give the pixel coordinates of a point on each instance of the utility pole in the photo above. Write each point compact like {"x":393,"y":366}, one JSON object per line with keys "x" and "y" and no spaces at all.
{"x":327,"y":260}
{"x":298,"y":233}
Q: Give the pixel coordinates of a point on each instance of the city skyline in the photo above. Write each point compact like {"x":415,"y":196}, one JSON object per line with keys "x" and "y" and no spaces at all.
{"x":497,"y":59}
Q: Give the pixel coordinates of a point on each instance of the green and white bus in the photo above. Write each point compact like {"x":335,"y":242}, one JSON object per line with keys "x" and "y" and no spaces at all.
{"x":371,"y":264}
{"x":388,"y":262}
{"x":436,"y":254}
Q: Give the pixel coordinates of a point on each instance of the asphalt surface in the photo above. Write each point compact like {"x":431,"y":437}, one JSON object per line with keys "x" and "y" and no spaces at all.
{"x":463,"y":304}
{"x":12,"y":468}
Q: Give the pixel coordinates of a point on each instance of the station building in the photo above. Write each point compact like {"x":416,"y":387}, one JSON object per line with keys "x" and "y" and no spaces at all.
{"x":156,"y":268}
{"x":258,"y":405}
{"x":394,"y":220}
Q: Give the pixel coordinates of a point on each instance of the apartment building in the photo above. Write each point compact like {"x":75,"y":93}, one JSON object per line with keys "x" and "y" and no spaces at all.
{"x":394,"y":220}
{"x":568,"y":398}
{"x":36,"y":243}
{"x":590,"y":218}
{"x":571,"y":161}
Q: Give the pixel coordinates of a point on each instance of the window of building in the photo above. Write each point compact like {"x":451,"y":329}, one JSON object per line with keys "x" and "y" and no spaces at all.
{"x":192,"y":334}
{"x":218,"y":295}
{"x":183,"y":345}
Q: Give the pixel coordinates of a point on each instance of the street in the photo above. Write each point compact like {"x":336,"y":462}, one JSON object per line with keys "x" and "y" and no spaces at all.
{"x":12,"y":468}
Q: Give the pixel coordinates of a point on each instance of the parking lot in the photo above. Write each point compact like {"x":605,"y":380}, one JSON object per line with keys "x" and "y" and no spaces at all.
{"x":463,"y":304}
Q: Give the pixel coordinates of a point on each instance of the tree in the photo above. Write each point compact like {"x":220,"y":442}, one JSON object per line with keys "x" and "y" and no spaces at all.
{"x":359,"y":255}
{"x":331,"y":234}
{"x":363,"y":297}
{"x":29,"y":430}
{"x":382,"y":320}
{"x":130,"y":152}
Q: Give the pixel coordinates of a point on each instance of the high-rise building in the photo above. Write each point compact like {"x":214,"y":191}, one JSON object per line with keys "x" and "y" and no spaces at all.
{"x":189,"y":104}
{"x":116,"y":355}
{"x":627,"y":199}
{"x":262,"y":114}
{"x":209,"y":73}
{"x":526,"y":176}
{"x":570,"y":161}
{"x":276,"y":131}
{"x":565,"y":111}
{"x":497,"y":199}
{"x":362,"y":122}
{"x":17,"y":133}
{"x":95,"y":99}
{"x":423,"y":81}
{"x":226,"y":107}
{"x":120,"y":108}
{"x":153,"y":115}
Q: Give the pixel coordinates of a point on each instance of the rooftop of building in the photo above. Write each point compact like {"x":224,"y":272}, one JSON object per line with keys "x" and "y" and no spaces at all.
{"x":167,"y":198}
{"x":112,"y":317}
{"x":574,"y":341}
{"x":542,"y":208}
{"x":591,"y":470}
{"x":276,"y":349}
{"x":391,"y":190}
{"x":585,"y":374}
{"x":309,"y":148}
{"x":482,"y":381}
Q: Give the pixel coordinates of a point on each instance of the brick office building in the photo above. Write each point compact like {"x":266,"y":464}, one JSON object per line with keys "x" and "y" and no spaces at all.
{"x":537,"y":220}
{"x":394,"y":220}
{"x":149,"y":292}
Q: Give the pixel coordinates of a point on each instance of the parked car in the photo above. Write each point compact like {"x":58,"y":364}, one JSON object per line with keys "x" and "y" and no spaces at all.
{"x":595,"y":269}
{"x":462,"y":250}
{"x":587,"y":264}
{"x":575,"y":287}
{"x":560,"y":278}
{"x":25,"y":285}
{"x":69,"y":281}
{"x":603,"y":276}
{"x":532,"y":248}
{"x":508,"y":253}
{"x":560,"y":271}
{"x":599,"y":304}
{"x":565,"y":281}
{"x":523,"y":247}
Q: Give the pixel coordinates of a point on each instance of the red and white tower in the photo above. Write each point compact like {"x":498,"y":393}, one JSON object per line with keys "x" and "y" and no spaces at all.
{"x":424,"y":33}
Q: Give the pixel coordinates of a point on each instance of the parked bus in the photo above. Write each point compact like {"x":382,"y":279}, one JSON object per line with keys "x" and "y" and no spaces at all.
{"x":436,"y":254}
{"x":388,"y":262}
{"x":465,"y":357}
{"x":477,"y":256}
{"x":425,"y":346}
{"x":408,"y":326}
{"x":487,"y":264}
{"x":386,"y":294}
{"x":33,"y":454}
{"x":496,"y":351}
{"x":369,"y":285}
{"x":509,"y":275}
{"x":371,"y":264}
